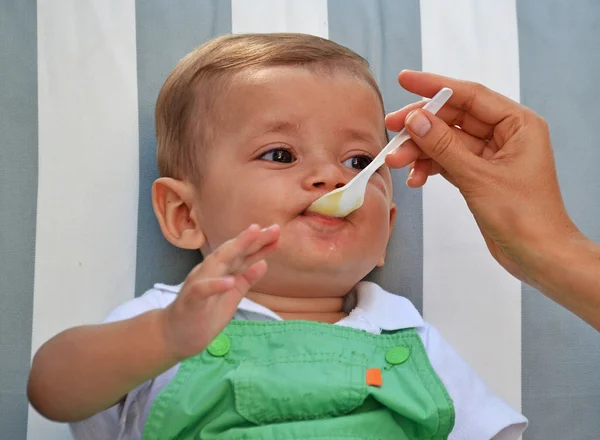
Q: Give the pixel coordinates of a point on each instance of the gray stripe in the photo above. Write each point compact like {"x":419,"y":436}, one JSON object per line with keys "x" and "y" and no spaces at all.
{"x":18,"y":194}
{"x":560,"y":67}
{"x":388,"y":34}
{"x":165,"y":33}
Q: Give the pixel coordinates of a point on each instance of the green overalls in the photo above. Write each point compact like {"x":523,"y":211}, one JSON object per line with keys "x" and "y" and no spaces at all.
{"x":303,"y":380}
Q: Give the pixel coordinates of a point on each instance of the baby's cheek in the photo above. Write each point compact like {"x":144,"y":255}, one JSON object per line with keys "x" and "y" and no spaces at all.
{"x":262,"y":209}
{"x":379,"y":187}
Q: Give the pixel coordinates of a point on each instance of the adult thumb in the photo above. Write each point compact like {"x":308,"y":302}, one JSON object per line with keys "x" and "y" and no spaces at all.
{"x":436,"y":139}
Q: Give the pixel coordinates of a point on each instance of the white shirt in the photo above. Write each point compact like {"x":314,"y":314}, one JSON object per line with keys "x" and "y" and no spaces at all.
{"x":480,"y":415}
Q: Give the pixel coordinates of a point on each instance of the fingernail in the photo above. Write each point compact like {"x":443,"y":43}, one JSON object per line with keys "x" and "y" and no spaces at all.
{"x":229,"y":281}
{"x":418,"y":123}
{"x":411,"y":174}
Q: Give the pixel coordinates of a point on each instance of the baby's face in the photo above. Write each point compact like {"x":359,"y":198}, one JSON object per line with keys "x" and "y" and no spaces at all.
{"x":285,"y":137}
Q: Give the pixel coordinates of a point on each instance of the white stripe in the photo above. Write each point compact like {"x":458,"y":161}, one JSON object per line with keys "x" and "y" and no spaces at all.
{"x":306,"y":16}
{"x":474,"y":302}
{"x":88,"y":169}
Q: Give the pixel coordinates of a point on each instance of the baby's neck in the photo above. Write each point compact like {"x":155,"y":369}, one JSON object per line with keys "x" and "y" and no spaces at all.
{"x":328,"y":310}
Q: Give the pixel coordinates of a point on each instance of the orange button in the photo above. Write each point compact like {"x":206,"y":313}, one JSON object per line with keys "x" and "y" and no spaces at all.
{"x":374,"y":378}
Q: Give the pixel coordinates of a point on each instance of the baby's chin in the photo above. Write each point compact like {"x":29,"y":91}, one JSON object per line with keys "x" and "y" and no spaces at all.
{"x":336,"y":255}
{"x":290,"y":276}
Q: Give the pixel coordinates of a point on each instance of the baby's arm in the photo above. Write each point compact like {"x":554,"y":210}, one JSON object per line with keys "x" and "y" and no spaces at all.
{"x":85,"y":370}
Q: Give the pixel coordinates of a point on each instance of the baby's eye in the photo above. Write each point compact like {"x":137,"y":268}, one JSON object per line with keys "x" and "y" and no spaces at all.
{"x":358,"y":162}
{"x":279,"y":155}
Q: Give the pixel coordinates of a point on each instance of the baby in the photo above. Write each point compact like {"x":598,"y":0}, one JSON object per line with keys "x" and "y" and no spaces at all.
{"x":274,"y":335}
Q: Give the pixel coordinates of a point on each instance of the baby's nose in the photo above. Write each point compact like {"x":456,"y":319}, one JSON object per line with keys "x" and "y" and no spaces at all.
{"x":328,"y":176}
{"x":325,"y":173}
{"x":322,"y":184}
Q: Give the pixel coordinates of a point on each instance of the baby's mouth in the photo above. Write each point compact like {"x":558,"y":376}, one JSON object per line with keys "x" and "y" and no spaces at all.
{"x":323,"y":218}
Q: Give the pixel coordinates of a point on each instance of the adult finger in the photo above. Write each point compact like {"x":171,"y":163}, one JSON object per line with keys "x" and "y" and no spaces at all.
{"x":443,"y":145}
{"x":394,"y":121}
{"x":484,"y":104}
{"x":410,"y":152}
{"x":419,"y":173}
{"x":452,"y":116}
{"x":406,"y":154}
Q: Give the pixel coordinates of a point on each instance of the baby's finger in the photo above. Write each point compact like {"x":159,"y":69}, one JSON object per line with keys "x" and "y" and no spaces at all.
{"x":266,"y":237}
{"x":227,"y":257}
{"x":251,"y":276}
{"x":203,"y":288}
{"x":264,"y":244}
{"x":256,"y":257}
{"x":255,"y":272}
{"x":244,"y":282}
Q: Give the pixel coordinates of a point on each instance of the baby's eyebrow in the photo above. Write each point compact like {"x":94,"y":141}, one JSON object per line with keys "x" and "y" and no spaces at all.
{"x":293,"y":128}
{"x":278,"y":126}
{"x":356,"y":134}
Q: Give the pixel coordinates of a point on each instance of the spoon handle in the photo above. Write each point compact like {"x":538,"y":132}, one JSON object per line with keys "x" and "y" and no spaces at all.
{"x":433,"y":106}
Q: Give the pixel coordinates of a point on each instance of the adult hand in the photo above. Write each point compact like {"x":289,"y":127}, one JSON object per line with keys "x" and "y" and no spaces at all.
{"x":497,"y":152}
{"x":499,"y":155}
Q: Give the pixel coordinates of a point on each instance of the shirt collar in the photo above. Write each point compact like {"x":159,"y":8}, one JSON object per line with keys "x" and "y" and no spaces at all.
{"x":369,"y":306}
{"x":383,"y":310}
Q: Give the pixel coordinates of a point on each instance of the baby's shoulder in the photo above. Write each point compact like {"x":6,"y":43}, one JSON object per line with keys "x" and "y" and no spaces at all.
{"x":158,"y":297}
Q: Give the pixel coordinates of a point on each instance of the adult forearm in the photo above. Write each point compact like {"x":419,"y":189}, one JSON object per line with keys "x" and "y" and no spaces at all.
{"x":568,"y":272}
{"x":87,"y":369}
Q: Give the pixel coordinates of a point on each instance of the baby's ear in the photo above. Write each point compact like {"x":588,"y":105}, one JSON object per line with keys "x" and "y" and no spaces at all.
{"x":174,"y":205}
{"x":393,"y":210}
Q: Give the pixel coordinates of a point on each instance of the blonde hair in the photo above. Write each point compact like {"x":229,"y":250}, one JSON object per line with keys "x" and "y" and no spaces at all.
{"x":186,"y":103}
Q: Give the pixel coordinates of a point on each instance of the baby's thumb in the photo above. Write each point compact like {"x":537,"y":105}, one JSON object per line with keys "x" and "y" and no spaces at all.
{"x":435,"y":138}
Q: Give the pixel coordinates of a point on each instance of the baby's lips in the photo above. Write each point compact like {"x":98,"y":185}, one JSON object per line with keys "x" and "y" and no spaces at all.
{"x":310,"y":203}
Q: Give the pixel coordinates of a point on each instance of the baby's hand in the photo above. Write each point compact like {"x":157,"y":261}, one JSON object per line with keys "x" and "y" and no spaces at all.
{"x":212,"y":291}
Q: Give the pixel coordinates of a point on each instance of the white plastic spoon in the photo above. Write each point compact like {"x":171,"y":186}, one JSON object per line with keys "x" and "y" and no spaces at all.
{"x":342,"y":201}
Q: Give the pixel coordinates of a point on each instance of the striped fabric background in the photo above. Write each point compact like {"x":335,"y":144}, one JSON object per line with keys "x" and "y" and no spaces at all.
{"x":78,"y":81}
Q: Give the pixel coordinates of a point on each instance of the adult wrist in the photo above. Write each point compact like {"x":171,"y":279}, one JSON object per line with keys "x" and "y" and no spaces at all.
{"x":549,"y":259}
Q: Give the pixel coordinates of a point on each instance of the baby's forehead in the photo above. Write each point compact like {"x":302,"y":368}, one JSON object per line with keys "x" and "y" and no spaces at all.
{"x":280,"y":98}
{"x":273,"y":75}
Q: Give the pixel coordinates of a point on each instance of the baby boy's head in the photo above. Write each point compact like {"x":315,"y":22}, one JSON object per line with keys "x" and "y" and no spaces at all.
{"x":253,"y":129}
